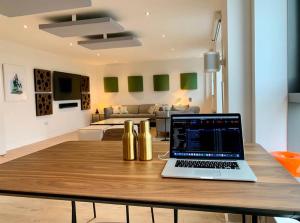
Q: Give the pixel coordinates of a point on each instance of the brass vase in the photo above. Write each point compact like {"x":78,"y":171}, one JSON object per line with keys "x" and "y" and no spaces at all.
{"x":129,"y":142}
{"x":145,"y":141}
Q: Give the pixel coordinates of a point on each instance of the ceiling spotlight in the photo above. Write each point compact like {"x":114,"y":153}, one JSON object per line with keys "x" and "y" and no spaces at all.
{"x":147,"y":13}
{"x":71,"y":44}
{"x":25,"y":27}
{"x":163,"y":36}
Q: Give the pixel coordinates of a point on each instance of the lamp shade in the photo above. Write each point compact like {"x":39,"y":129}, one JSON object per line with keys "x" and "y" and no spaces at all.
{"x":211,"y":62}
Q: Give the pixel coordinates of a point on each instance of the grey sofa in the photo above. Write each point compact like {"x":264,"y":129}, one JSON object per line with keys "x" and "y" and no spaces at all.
{"x":163,"y":125}
{"x":134,"y":111}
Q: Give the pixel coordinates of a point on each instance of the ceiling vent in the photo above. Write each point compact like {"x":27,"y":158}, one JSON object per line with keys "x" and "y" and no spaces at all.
{"x":13,"y":8}
{"x":112,"y":42}
{"x":82,"y":27}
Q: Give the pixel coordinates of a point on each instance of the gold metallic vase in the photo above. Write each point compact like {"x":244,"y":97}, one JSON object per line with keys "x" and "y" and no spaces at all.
{"x":129,"y":142}
{"x":145,"y":141}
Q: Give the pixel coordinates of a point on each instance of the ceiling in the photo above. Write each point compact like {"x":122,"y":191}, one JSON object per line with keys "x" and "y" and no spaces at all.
{"x":174,"y":29}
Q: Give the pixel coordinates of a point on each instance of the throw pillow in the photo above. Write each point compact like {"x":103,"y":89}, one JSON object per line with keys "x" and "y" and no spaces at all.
{"x":123,"y":110}
{"x":151,"y":109}
{"x":154,"y":108}
{"x":166,"y":107}
{"x":116,"y":109}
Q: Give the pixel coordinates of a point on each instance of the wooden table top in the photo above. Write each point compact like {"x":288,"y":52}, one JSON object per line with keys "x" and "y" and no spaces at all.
{"x":95,"y":171}
{"x":119,"y":121}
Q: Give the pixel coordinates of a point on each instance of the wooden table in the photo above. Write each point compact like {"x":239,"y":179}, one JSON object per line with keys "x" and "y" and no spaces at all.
{"x":95,"y":172}
{"x":119,"y":121}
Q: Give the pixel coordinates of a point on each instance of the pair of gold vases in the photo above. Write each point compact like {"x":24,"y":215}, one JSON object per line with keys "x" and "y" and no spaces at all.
{"x":132,"y":143}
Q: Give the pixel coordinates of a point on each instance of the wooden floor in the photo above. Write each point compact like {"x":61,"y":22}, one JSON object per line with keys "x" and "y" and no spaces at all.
{"x":27,"y":210}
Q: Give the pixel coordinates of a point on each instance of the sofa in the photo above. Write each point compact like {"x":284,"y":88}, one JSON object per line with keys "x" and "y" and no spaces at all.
{"x":133,"y":111}
{"x":152,"y":111}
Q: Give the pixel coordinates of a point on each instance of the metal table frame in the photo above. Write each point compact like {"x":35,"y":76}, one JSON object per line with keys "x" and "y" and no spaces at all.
{"x":164,"y":118}
{"x":209,"y":208}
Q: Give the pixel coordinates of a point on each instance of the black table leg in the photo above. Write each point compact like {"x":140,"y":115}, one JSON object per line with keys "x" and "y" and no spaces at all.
{"x":175,"y":215}
{"x":165,"y":139}
{"x":152,"y":215}
{"x":243,"y":218}
{"x":254,"y":219}
{"x":94,"y":209}
{"x":74,"y":220}
{"x":165,"y":129}
{"x":127,"y":213}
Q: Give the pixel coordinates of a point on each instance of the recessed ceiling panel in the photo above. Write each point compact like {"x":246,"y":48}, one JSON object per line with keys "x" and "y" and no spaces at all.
{"x":117,"y":42}
{"x":14,"y":8}
{"x":83,"y":27}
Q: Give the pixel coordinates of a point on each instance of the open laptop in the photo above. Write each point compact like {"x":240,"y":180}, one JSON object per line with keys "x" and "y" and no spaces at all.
{"x":207,"y":146}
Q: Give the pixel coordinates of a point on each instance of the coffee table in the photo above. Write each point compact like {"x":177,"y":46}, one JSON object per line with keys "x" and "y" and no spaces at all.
{"x":119,"y":121}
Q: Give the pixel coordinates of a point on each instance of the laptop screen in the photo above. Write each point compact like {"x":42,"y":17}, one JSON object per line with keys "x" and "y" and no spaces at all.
{"x":210,"y":136}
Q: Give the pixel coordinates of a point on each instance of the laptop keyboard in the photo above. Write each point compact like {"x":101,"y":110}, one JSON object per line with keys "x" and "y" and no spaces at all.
{"x":207,"y":164}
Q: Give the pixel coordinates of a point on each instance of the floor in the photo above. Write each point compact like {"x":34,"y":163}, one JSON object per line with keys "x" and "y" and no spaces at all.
{"x":20,"y":210}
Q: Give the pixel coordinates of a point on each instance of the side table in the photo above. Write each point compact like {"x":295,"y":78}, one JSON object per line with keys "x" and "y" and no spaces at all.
{"x":164,"y":118}
{"x":97,"y":117}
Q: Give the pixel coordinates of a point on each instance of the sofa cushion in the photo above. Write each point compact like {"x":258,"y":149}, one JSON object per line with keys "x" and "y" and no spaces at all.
{"x":116,"y":109}
{"x":147,"y":115}
{"x":144,"y":108}
{"x":132,"y":116}
{"x":194,"y":109}
{"x":180,"y":112}
{"x":132,"y":109}
{"x":179,"y":107}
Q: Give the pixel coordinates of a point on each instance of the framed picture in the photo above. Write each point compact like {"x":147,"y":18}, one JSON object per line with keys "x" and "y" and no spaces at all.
{"x":14,"y":82}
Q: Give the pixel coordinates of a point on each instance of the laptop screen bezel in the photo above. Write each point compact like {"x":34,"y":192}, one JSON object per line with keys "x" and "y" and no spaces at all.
{"x":190,"y":116}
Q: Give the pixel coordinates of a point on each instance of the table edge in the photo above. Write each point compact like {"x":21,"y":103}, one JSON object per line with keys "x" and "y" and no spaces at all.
{"x":158,"y":204}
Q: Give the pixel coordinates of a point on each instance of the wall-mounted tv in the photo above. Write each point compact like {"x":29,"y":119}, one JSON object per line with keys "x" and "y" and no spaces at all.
{"x":66,"y":86}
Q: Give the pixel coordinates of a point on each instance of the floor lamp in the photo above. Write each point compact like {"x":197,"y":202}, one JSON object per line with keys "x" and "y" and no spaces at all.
{"x":212,"y":64}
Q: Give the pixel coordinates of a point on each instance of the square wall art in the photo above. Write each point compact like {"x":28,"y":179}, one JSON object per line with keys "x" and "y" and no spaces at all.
{"x":42,"y":80}
{"x":135,"y":84}
{"x":161,"y":82}
{"x":43,"y":103}
{"x":111,"y":84}
{"x":188,"y":81}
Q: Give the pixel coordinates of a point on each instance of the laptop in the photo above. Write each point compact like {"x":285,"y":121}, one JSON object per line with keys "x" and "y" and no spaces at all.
{"x":207,"y":146}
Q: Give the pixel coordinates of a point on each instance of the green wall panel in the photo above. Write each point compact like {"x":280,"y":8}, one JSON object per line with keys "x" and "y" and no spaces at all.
{"x":111,"y":84}
{"x":135,"y":84}
{"x":188,"y":81}
{"x":161,"y":82}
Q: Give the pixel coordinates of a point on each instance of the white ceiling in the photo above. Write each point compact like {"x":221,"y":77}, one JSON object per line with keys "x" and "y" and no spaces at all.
{"x":186,"y":24}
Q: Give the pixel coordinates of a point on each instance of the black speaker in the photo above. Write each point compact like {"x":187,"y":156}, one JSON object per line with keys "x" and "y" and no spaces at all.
{"x":68,"y":105}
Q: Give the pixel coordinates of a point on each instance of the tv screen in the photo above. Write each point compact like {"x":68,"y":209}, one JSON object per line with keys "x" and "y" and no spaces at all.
{"x":66,"y":86}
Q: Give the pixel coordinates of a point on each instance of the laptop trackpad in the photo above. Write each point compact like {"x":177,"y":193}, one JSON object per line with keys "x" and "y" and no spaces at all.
{"x":207,"y":173}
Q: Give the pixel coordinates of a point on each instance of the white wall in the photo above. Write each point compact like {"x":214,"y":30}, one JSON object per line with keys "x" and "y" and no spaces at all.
{"x":270,"y":73}
{"x":21,"y":126}
{"x":148,"y":69}
{"x":2,"y":131}
{"x":236,"y":34}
